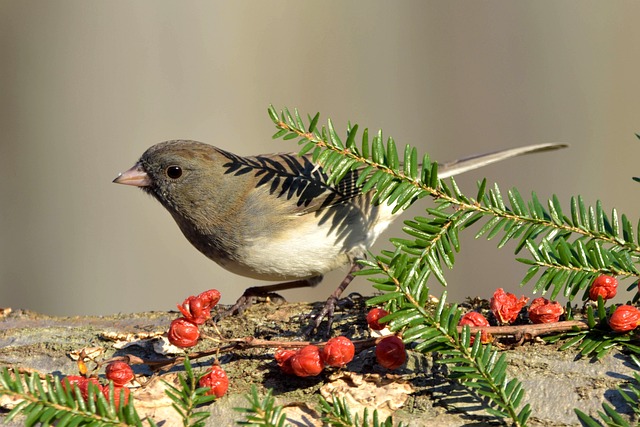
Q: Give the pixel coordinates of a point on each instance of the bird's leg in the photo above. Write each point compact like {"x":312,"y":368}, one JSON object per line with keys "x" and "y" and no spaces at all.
{"x":330,"y":305}
{"x":256,"y":294}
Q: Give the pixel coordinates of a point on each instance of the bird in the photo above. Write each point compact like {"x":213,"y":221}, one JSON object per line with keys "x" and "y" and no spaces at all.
{"x":274,"y":217}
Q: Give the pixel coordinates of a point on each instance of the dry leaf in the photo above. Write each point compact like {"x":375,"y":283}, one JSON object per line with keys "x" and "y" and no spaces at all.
{"x":152,"y":401}
{"x":386,"y":394}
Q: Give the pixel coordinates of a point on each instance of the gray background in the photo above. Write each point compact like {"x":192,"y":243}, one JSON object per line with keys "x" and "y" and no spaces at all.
{"x":87,"y":86}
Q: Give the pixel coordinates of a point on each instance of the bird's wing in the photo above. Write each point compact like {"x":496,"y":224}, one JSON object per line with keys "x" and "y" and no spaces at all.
{"x":295,"y":180}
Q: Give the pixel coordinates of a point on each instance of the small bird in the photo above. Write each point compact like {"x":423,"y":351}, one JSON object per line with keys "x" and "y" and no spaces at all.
{"x":273,"y":216}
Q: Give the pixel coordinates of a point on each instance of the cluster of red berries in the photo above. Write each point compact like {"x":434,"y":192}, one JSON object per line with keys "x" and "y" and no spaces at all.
{"x":390,"y":350}
{"x":120,"y":373}
{"x":310,"y":360}
{"x":184,"y":332}
{"x":506,"y":307}
{"x":625,"y":317}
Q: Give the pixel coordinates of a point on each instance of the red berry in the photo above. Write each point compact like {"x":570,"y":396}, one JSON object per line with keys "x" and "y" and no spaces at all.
{"x":82,"y":383}
{"x":283,"y":358}
{"x":183,"y":333}
{"x":473,"y":318}
{"x":338,"y":352}
{"x":542,"y":310}
{"x":119,"y":372}
{"x":605,"y":286}
{"x":373,"y":316}
{"x":117,"y":394}
{"x":216,"y":379}
{"x":210,"y":298}
{"x":506,"y":306}
{"x":390,"y":352}
{"x":306,"y":362}
{"x":624,"y":318}
{"x":198,"y":309}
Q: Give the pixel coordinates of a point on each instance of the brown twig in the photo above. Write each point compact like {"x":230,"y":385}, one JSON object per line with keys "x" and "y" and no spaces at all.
{"x":529,"y":332}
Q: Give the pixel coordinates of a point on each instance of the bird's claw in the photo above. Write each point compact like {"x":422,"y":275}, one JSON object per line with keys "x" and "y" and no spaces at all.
{"x":326,"y":312}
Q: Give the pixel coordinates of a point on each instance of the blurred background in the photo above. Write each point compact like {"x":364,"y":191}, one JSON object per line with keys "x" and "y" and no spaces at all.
{"x":87,"y":86}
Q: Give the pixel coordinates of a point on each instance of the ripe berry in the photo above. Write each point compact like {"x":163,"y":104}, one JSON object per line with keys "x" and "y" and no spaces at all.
{"x":216,"y":378}
{"x":183,"y":333}
{"x":117,"y":394}
{"x":542,"y":310}
{"x":473,"y":318}
{"x":306,"y":362}
{"x":605,"y":286}
{"x":283,"y":358}
{"x":625,"y":318}
{"x":373,"y":316}
{"x":82,"y":383}
{"x":338,"y":352}
{"x":119,"y":372}
{"x":390,"y":352}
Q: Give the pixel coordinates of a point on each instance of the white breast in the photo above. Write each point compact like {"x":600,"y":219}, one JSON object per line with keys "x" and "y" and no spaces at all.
{"x":312,"y":245}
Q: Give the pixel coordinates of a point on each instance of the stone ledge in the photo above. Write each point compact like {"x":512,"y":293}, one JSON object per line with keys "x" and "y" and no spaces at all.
{"x":555,"y":382}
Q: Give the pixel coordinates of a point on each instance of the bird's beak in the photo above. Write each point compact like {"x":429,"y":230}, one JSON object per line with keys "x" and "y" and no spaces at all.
{"x":135,"y":176}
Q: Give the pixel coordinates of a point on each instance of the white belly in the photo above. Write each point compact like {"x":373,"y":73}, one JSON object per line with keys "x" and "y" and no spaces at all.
{"x":307,"y":249}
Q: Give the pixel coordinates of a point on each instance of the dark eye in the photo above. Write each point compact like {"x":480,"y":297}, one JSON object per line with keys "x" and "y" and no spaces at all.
{"x":174,"y":172}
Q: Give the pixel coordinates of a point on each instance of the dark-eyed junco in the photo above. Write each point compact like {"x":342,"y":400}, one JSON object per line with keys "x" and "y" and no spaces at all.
{"x":273,"y":217}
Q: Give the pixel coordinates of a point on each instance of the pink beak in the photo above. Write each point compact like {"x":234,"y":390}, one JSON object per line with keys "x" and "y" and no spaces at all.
{"x":135,"y":176}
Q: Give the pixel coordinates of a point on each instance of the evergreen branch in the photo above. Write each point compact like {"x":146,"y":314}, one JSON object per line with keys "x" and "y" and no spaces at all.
{"x":602,"y":243}
{"x":45,"y":401}
{"x":338,"y":414}
{"x":478,"y":367}
{"x":568,"y":251}
{"x":263,"y":412}
{"x":598,"y":340}
{"x":188,"y":397}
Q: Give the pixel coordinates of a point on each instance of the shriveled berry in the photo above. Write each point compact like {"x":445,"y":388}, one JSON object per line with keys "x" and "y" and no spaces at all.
{"x":183,"y":333}
{"x":542,"y":310}
{"x":506,"y":306}
{"x":605,"y":286}
{"x":82,"y":383}
{"x":119,"y":372}
{"x":306,"y":362}
{"x":390,"y":352}
{"x":283,"y":359}
{"x":217,"y":380}
{"x":373,"y":318}
{"x":625,"y":318}
{"x":473,"y":318}
{"x":210,"y":298}
{"x":119,"y":393}
{"x":198,"y":309}
{"x":338,"y":352}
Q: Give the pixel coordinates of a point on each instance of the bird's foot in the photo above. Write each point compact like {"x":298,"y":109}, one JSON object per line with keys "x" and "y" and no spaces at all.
{"x":327,"y":312}
{"x":251,"y":296}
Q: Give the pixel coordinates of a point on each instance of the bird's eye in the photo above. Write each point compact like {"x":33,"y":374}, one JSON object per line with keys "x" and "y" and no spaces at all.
{"x":174,"y":172}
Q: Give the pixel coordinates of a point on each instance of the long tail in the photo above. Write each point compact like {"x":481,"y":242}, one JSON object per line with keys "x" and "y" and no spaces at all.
{"x":446,"y":170}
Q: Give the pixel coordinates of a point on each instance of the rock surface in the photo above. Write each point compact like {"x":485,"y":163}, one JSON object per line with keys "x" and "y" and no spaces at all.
{"x":555,"y":382}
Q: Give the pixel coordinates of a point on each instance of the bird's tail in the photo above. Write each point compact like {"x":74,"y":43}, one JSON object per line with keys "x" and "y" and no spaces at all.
{"x":446,"y":170}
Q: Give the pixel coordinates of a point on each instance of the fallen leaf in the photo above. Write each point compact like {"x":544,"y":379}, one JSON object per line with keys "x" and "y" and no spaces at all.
{"x":386,"y":393}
